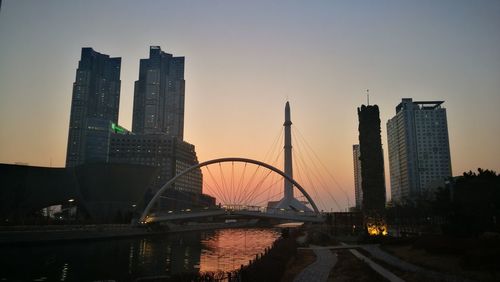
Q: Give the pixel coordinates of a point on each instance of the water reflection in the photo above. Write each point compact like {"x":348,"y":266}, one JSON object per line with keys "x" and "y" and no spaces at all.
{"x":128,"y":259}
{"x":228,"y":249}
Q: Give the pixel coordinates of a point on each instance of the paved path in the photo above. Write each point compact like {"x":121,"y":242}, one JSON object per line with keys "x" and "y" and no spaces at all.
{"x":302,"y":239}
{"x":333,"y":248}
{"x":377,"y":253}
{"x":319,"y":270}
{"x":377,"y":267}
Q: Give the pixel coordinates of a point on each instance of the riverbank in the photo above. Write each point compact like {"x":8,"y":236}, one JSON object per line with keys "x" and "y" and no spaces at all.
{"x":164,"y":257}
{"x":25,"y":235}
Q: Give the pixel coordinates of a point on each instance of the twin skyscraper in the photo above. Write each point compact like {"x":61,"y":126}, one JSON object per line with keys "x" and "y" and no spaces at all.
{"x":158,"y":116}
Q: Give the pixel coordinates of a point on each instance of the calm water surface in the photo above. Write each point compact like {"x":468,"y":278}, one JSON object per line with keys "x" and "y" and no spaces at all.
{"x":128,"y":259}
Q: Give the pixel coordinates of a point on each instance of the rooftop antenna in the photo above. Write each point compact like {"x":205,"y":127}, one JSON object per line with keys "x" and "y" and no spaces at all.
{"x":368,"y":97}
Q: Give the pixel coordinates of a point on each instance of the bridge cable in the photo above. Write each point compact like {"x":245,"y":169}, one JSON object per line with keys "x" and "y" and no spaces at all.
{"x":299,"y":173}
{"x":273,"y":147}
{"x":259,"y":184}
{"x":324,"y":166}
{"x":316,"y":173}
{"x":241,"y":183}
{"x":216,"y":184}
{"x":279,"y":153}
{"x":245,"y":189}
{"x":318,"y":177}
{"x":217,"y":195}
{"x":182,"y":193}
{"x":302,"y":166}
{"x":266,"y":189}
{"x":318,"y":198}
{"x":277,"y":157}
{"x":215,"y":192}
{"x":230,"y":184}
{"x":224,"y":181}
{"x":269,"y":188}
{"x":264,"y":201}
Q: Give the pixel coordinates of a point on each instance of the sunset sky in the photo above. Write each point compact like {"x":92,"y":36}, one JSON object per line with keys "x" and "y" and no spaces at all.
{"x":245,"y":59}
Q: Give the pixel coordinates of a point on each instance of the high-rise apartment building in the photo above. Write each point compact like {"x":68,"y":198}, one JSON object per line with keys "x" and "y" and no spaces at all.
{"x":419,"y":150}
{"x":94,"y":106}
{"x":159,"y":95}
{"x":371,"y":159}
{"x":358,"y":191}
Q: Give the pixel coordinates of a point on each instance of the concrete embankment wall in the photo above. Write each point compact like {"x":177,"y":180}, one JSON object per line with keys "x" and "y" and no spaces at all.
{"x":39,"y":234}
{"x":64,"y":233}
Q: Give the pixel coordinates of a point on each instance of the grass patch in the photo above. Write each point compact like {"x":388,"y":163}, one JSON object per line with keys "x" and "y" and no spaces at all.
{"x":405,"y":275}
{"x":301,"y":260}
{"x":351,"y":269}
{"x":474,"y":258}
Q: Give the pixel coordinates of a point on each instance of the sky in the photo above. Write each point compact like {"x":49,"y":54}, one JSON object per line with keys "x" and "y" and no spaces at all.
{"x":245,"y":59}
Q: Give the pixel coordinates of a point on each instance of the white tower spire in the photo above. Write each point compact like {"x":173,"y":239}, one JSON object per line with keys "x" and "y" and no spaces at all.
{"x":289,"y":202}
{"x":288,"y":152}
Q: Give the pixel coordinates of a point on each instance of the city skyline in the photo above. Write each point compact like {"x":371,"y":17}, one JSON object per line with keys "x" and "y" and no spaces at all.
{"x":238,"y":80}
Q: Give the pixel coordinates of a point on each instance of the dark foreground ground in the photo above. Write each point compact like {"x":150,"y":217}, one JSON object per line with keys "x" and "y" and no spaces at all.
{"x":439,"y":258}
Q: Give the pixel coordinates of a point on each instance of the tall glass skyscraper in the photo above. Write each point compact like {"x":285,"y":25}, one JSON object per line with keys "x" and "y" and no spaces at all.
{"x":94,"y":107}
{"x":419,"y":149}
{"x":159,"y":95}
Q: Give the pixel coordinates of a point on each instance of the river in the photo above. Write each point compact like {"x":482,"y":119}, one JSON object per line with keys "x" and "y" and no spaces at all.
{"x":132,"y":258}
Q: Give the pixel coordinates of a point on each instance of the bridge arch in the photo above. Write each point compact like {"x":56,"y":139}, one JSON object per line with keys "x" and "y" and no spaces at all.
{"x":224,"y":160}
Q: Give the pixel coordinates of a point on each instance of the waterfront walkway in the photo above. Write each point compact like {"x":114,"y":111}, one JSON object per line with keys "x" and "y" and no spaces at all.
{"x":320,"y":269}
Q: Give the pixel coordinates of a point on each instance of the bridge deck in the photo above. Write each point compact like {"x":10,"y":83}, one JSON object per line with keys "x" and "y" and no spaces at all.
{"x":295,"y":216}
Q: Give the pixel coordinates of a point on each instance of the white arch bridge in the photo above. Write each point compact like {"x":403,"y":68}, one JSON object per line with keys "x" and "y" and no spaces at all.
{"x":238,"y":196}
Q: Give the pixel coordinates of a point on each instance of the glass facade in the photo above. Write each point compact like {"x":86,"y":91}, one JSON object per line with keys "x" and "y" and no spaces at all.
{"x":159,"y":95}
{"x":96,"y":96}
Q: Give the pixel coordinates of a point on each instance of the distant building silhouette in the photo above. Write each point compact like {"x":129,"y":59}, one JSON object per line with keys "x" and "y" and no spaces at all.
{"x":358,"y":191}
{"x":419,"y":150}
{"x":371,"y":159}
{"x":170,"y":154}
{"x":100,"y":191}
{"x":159,"y":95}
{"x":94,"y":106}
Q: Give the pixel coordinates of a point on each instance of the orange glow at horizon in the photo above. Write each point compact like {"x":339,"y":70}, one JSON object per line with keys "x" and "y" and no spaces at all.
{"x":245,"y":59}
{"x":246,"y":184}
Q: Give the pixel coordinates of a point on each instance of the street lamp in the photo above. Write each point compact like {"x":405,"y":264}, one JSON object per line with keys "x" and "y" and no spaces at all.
{"x":71,"y":209}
